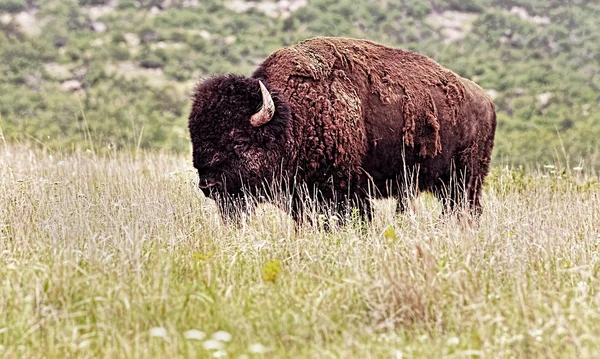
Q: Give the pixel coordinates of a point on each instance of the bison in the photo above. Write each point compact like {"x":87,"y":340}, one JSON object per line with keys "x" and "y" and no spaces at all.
{"x":346,"y":119}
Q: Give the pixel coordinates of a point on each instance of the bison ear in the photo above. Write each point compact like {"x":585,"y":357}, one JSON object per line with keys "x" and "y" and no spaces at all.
{"x":267,"y":109}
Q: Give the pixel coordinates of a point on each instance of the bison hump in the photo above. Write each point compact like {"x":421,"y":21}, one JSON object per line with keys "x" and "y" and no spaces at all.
{"x":426,"y":92}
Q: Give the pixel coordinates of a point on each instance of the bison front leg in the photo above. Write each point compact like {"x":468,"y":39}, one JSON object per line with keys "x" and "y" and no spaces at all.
{"x":328,"y":212}
{"x":450,"y":192}
{"x":355,"y":208}
{"x":233,"y":208}
{"x":401,"y":204}
{"x":298,"y":210}
{"x":305,"y":210}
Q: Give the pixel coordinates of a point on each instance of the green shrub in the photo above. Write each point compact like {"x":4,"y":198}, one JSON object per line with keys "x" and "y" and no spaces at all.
{"x":12,"y":6}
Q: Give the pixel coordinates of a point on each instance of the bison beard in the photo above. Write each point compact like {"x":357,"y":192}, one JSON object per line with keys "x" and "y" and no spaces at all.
{"x":347,"y":120}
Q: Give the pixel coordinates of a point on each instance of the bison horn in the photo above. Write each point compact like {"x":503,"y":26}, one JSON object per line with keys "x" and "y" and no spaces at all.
{"x":267,"y":109}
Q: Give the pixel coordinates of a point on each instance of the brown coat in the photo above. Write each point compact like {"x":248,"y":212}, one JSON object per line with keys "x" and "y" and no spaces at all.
{"x":362,"y":119}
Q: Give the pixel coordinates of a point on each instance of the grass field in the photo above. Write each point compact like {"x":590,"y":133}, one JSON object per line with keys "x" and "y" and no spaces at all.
{"x":115,"y":257}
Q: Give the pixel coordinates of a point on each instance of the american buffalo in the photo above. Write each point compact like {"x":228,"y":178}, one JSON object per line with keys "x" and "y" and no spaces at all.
{"x":346,"y":119}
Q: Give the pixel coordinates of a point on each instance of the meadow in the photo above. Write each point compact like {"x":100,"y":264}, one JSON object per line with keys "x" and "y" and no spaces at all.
{"x":109,"y":250}
{"x":120,"y":256}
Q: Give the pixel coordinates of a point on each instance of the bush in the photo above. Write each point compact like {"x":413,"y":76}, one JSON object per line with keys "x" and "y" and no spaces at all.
{"x":93,"y":2}
{"x":12,"y":6}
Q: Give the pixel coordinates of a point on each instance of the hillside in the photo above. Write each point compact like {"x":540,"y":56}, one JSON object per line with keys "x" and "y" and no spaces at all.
{"x":108,"y":73}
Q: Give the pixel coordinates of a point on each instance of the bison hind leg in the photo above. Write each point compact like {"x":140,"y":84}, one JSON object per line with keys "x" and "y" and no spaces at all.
{"x":360,"y":209}
{"x":460,"y":192}
{"x":329,"y":213}
{"x":472,"y":168}
{"x":351,"y":211}
{"x":404,"y":192}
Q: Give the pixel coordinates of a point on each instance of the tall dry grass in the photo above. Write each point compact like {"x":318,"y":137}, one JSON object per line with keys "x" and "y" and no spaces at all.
{"x":120,"y":257}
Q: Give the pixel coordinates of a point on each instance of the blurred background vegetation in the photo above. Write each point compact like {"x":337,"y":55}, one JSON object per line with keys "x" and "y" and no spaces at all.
{"x":119,"y":73}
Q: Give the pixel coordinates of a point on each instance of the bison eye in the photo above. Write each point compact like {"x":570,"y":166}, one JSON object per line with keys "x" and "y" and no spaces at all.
{"x":240,"y":145}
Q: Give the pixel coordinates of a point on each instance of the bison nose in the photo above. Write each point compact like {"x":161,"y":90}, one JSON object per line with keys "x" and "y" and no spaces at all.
{"x":209,"y":183}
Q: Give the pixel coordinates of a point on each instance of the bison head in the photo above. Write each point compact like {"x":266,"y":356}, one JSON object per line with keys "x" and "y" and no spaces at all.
{"x":240,"y":133}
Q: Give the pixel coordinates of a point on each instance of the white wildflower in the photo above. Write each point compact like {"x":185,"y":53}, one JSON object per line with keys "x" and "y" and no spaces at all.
{"x":219,"y":354}
{"x":583,"y":287}
{"x":262,"y":244}
{"x":158,"y":332}
{"x":452,"y":341}
{"x":257,"y":348}
{"x":222,"y":336}
{"x":398,"y":354}
{"x":517,"y":337}
{"x":194,"y":334}
{"x":537,"y":334}
{"x":504,"y":339}
{"x":212,"y":344}
{"x":84,"y":344}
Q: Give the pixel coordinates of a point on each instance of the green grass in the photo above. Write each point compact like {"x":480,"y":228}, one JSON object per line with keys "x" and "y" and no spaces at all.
{"x":98,"y":253}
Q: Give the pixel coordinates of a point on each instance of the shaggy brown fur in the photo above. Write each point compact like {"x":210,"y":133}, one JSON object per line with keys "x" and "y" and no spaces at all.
{"x":353,"y":119}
